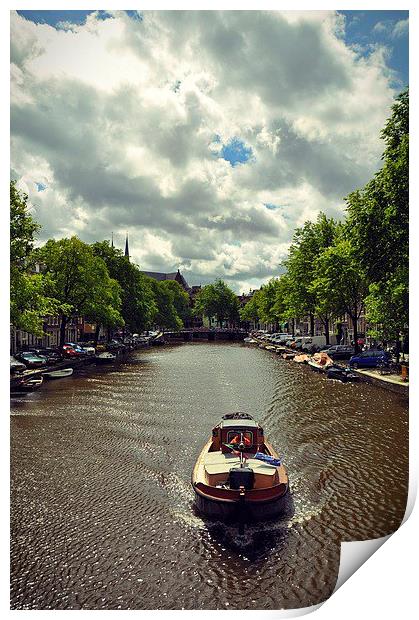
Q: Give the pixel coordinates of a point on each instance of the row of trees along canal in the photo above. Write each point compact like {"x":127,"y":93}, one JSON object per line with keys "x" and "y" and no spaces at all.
{"x":358,"y":264}
{"x":333,"y":267}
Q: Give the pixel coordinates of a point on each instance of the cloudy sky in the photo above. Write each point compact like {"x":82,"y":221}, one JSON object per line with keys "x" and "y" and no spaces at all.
{"x":207,"y":136}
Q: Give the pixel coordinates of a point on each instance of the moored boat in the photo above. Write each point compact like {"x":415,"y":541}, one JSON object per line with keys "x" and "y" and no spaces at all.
{"x":342,"y":374}
{"x":302,"y":358}
{"x":29,"y":385}
{"x":58,"y":374}
{"x":320,"y":362}
{"x":105,"y":358}
{"x":238,"y":474}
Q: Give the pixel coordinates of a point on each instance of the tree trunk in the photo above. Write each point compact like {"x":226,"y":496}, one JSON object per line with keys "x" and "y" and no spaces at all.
{"x":109,"y":334}
{"x":326,"y":331}
{"x":97,"y":330}
{"x":311,"y":324}
{"x":398,"y":349}
{"x":355,"y":324}
{"x":293,"y":328}
{"x":63,"y":325}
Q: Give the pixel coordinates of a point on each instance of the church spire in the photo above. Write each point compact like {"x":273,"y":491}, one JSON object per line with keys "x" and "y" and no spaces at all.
{"x":112,"y":241}
{"x":126,"y":247}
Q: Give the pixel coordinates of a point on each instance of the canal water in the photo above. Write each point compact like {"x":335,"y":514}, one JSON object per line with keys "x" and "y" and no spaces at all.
{"x":102,"y":513}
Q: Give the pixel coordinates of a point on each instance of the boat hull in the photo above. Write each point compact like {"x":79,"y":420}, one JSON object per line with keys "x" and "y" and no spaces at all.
{"x":58,"y":374}
{"x":105,"y":359}
{"x":241,"y":510}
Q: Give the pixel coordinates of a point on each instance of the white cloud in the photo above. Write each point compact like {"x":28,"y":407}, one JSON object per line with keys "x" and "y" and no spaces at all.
{"x":118,"y":119}
{"x":401,"y":28}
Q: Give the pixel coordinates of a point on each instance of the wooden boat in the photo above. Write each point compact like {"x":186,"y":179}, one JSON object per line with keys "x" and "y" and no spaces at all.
{"x":105,"y":358}
{"x":302,"y":358}
{"x":29,"y":385}
{"x":234,"y":482}
{"x":342,"y":374}
{"x":58,"y":374}
{"x":320,"y":362}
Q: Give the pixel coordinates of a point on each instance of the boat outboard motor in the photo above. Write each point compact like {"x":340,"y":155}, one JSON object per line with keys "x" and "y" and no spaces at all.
{"x":241,"y":477}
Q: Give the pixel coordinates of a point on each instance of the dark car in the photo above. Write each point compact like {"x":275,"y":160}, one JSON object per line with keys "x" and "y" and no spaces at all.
{"x":52,"y":355}
{"x":340,"y":351}
{"x":310,"y":347}
{"x":30,"y":359}
{"x":370,"y":359}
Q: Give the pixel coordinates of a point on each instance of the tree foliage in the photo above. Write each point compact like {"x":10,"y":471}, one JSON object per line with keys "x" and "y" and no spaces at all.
{"x":138,"y":305}
{"x":309,"y":242}
{"x":29,"y":299}
{"x":217,"y":300}
{"x":80,"y":281}
{"x":166,"y":316}
{"x":378,"y":217}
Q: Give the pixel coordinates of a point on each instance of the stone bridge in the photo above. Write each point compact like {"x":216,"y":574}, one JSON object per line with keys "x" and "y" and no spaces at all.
{"x":199,"y":333}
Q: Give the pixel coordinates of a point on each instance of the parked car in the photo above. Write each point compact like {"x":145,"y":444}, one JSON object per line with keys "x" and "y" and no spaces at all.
{"x":16,"y":366}
{"x":339,"y":351}
{"x":310,"y":347}
{"x":88,"y":347}
{"x":52,"y":355}
{"x":369,"y":359}
{"x":71,"y":349}
{"x":30,"y":359}
{"x":300,"y":341}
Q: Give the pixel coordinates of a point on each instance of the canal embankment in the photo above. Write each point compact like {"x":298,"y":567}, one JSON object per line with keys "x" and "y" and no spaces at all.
{"x":394,"y":382}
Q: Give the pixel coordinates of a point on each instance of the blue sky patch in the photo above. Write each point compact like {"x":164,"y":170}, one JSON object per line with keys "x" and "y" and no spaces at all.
{"x":40,"y":186}
{"x":389,"y":28}
{"x":78,"y":18}
{"x":236,"y":152}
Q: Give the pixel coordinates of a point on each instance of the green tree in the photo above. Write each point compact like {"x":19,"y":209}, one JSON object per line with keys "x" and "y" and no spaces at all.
{"x":138,"y":307}
{"x":267,"y":302}
{"x":309,"y":242}
{"x":217,"y":300}
{"x":166,"y":316}
{"x":29,"y":300}
{"x":107,"y":313}
{"x":250,"y":311}
{"x":180,"y":300}
{"x":340,"y":281}
{"x":378,"y":217}
{"x":283,"y":308}
{"x":79,"y":280}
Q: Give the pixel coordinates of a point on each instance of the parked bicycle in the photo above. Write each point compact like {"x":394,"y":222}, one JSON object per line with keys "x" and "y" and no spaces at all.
{"x":389,"y":368}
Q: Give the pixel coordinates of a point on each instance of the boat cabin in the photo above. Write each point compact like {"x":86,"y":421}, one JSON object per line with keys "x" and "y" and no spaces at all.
{"x":240,"y":429}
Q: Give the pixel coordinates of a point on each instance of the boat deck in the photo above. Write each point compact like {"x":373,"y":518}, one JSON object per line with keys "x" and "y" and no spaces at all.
{"x":213,"y":469}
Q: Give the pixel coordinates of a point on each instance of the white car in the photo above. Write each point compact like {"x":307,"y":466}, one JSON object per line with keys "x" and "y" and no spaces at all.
{"x":89,"y":349}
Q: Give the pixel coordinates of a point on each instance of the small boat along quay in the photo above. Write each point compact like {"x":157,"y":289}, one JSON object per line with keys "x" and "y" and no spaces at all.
{"x":117,"y":350}
{"x":113,"y":352}
{"x":395,"y":380}
{"x":104,"y":514}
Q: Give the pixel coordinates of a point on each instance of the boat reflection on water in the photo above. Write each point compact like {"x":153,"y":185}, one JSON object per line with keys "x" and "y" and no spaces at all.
{"x":256,"y":539}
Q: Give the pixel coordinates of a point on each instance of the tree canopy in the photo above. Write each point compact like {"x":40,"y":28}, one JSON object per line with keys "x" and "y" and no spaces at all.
{"x":378,"y":218}
{"x":29,"y":298}
{"x":80,"y":281}
{"x":217,"y":300}
{"x":138,"y":305}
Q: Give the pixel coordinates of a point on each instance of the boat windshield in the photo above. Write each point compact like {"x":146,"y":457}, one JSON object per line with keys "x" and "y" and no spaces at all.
{"x":235,"y":437}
